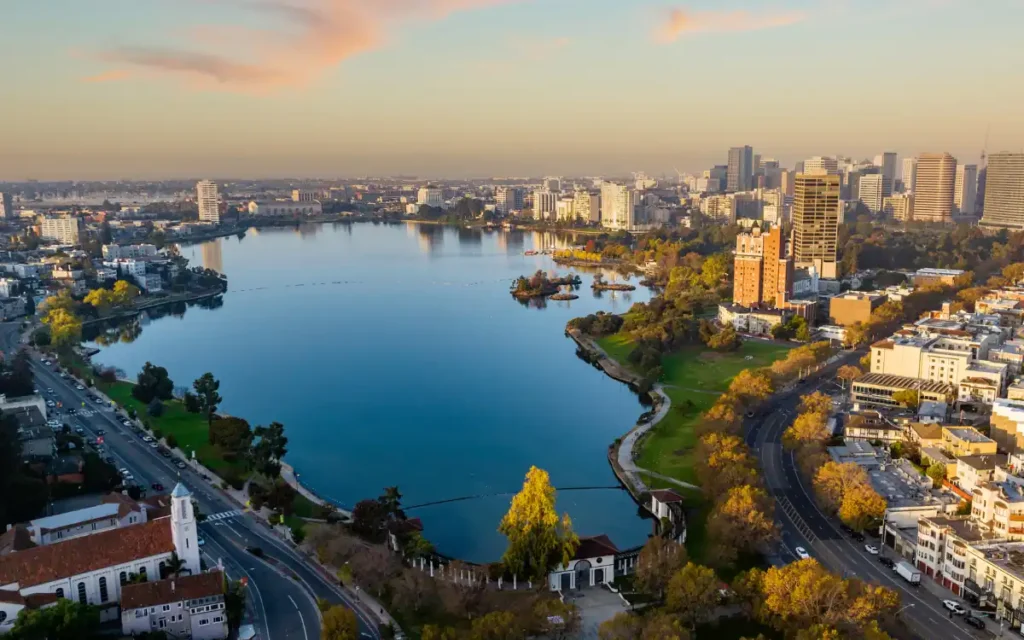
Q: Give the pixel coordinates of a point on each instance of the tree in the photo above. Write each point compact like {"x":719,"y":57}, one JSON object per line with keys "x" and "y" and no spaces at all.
{"x":30,"y":304}
{"x":155,"y":408}
{"x":909,"y":398}
{"x":743,"y":522}
{"x":234,"y":604}
{"x":692,"y":594}
{"x":833,"y":480}
{"x":269,"y":449}
{"x":368,"y":520}
{"x":848,"y":373}
{"x":171,"y":440}
{"x":153,"y":382}
{"x":206,"y":387}
{"x":432,"y":632}
{"x":339,"y":623}
{"x":124,"y":293}
{"x":663,"y":626}
{"x":725,"y":340}
{"x":191,"y":402}
{"x":658,"y":561}
{"x":751,"y":386}
{"x":65,"y":327}
{"x":391,"y":501}
{"x":937,"y":472}
{"x":497,"y":625}
{"x":624,"y":626}
{"x":862,"y":507}
{"x":715,"y":269}
{"x":173,"y":566}
{"x":101,"y":299}
{"x":231,"y":434}
{"x":66,"y":620}
{"x":537,"y":540}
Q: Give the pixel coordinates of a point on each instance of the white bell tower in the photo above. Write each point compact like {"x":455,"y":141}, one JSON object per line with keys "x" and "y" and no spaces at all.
{"x":184,"y":528}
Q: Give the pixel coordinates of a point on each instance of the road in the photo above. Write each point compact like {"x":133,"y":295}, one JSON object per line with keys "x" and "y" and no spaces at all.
{"x":803,"y":524}
{"x":283,"y":585}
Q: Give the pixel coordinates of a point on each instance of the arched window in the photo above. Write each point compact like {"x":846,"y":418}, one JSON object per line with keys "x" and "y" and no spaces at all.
{"x":81,"y":593}
{"x":59,"y":592}
{"x":103,"y":589}
{"x":142,"y":572}
{"x":124,"y":578}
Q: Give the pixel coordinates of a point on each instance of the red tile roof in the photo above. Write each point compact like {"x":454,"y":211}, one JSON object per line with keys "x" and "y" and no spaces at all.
{"x":595,"y":547}
{"x":87,"y":553}
{"x":151,"y":594}
{"x":32,"y":601}
{"x":17,"y":538}
{"x":666,"y":496}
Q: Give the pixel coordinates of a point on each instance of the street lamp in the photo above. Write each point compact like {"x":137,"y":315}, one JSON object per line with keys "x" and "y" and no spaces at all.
{"x":903,"y":608}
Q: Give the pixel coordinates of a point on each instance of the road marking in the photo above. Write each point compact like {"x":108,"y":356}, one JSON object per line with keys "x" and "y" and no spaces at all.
{"x":224,"y":514}
{"x":301,"y":619}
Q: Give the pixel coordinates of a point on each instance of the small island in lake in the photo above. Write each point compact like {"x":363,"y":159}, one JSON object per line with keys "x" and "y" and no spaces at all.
{"x":601,"y":285}
{"x":539,"y":285}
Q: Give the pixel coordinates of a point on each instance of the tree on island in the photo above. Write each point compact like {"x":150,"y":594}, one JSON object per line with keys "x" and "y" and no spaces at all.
{"x":538,"y":540}
{"x":206,"y":387}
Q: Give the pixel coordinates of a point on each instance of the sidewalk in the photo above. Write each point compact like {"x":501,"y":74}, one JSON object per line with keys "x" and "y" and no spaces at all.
{"x":288,"y":475}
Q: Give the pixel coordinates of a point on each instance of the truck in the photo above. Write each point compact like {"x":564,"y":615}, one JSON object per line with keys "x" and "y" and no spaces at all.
{"x":908,"y":572}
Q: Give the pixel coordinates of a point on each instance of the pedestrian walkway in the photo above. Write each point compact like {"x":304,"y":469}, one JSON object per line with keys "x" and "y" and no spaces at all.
{"x":223,"y":514}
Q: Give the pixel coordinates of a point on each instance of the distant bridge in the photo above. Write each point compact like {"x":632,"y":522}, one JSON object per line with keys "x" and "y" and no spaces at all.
{"x":502,"y":493}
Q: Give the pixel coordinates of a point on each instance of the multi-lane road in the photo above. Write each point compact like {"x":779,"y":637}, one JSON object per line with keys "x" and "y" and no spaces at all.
{"x":803,"y":524}
{"x":282,"y":585}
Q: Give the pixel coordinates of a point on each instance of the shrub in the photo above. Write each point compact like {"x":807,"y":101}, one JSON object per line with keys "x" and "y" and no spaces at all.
{"x":235,"y":479}
{"x":298,"y":534}
{"x":155,"y":408}
{"x":158,"y":433}
{"x":131,"y":413}
{"x":108,"y":375}
{"x":172,"y":442}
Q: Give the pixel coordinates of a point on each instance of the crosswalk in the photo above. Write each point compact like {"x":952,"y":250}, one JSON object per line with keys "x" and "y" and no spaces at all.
{"x":223,"y":514}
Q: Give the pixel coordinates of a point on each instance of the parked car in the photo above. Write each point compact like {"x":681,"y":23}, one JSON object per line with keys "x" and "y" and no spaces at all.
{"x":51,"y":403}
{"x":154,"y":445}
{"x":977,"y":623}
{"x":256,"y":551}
{"x":80,"y":387}
{"x":180,"y":464}
{"x":886,"y":562}
{"x":80,"y":431}
{"x":802,"y":553}
{"x":165,"y":453}
{"x":101,"y":432}
{"x":872,"y":549}
{"x":157,"y":486}
{"x":200,"y":540}
{"x":49,"y":390}
{"x":954,"y":606}
{"x":147,"y":439}
{"x":108,"y":459}
{"x":127,"y":423}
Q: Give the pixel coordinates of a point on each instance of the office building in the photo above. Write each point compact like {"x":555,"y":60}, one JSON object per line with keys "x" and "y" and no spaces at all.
{"x":851,"y":308}
{"x":764,"y":275}
{"x":6,"y":205}
{"x":209,"y":204}
{"x":64,"y":229}
{"x":899,"y":207}
{"x":618,"y":206}
{"x":1004,"y":191}
{"x":586,"y":206}
{"x":431,"y":196}
{"x":508,"y":199}
{"x":304,"y":195}
{"x":909,"y":174}
{"x":553,"y":184}
{"x":872,"y":191}
{"x":818,"y":164}
{"x":545,"y":204}
{"x":965,"y":189}
{"x":786,"y":178}
{"x":933,"y":190}
{"x":740,"y":169}
{"x":816,"y":210}
{"x":887,"y":164}
{"x":719,"y":207}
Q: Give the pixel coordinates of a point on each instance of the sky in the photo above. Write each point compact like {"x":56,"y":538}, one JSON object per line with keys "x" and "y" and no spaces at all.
{"x":142,"y":89}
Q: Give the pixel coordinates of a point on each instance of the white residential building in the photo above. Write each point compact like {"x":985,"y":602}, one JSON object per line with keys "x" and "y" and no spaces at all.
{"x":133,"y":268}
{"x":285,"y":208}
{"x":183,"y":607}
{"x":909,"y":174}
{"x":965,"y":189}
{"x":63,"y":229}
{"x":430,"y":196}
{"x":208,"y":201}
{"x":132,"y":251}
{"x":587,"y":206}
{"x":8,"y":287}
{"x":618,"y":206}
{"x":871,"y":191}
{"x":545,"y":204}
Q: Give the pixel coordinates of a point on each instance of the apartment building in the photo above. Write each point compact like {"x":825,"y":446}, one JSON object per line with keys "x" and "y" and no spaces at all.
{"x":1007,"y":424}
{"x":851,"y":308}
{"x":967,"y":441}
{"x":63,"y":229}
{"x":763,"y":273}
{"x":940,"y":359}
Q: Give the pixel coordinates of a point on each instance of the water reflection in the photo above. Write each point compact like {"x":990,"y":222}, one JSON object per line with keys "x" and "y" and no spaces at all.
{"x":213,"y":256}
{"x":127,"y":329}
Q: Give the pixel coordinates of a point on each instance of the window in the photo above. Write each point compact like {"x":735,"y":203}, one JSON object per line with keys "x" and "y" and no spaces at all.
{"x":204,"y":622}
{"x":218,"y":619}
{"x":103,"y":589}
{"x":81,"y":593}
{"x":140,"y":613}
{"x":59,"y":592}
{"x":163,"y":623}
{"x":124,"y":578}
{"x":167,"y":607}
{"x":142,"y":571}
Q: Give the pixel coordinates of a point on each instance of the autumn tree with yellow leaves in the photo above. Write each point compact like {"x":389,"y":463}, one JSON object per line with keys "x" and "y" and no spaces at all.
{"x":844,"y":489}
{"x":538,"y":539}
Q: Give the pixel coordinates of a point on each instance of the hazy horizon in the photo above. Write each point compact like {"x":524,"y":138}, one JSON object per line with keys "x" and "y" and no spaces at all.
{"x":116,"y":89}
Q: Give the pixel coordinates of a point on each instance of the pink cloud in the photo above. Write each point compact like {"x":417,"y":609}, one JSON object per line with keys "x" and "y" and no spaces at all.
{"x":305,"y":41}
{"x":679,"y":22}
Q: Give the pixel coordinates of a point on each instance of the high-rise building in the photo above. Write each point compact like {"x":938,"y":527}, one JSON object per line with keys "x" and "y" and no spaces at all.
{"x":6,"y":205}
{"x":1004,"y":191}
{"x":508,"y":199}
{"x":618,"y":206}
{"x":63,"y":229}
{"x":740,"y":169}
{"x":786,"y":182}
{"x":587,"y":206}
{"x":763,"y":274}
{"x":816,"y":210}
{"x":431,"y":196}
{"x":819,"y":165}
{"x":209,"y":204}
{"x":933,"y":191}
{"x":871,"y":191}
{"x":887,"y":163}
{"x":545,"y":204}
{"x":899,"y":207}
{"x":553,"y":184}
{"x":965,"y":191}
{"x":909,"y":174}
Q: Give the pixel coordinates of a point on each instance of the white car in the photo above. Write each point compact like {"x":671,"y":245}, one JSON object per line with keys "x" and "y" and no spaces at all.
{"x":954,"y":606}
{"x":872,"y":549}
{"x":51,"y":403}
{"x":200,"y":540}
{"x":154,"y":445}
{"x":80,"y":387}
{"x":123,"y":471}
{"x":127,"y":423}
{"x":147,"y":439}
{"x":802,"y":553}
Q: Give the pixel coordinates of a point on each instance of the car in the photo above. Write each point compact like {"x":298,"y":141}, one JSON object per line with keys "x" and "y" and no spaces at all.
{"x":872,"y":549}
{"x":200,"y":540}
{"x":123,"y":471}
{"x":72,"y":411}
{"x":977,"y":623}
{"x":126,"y":423}
{"x":80,"y":431}
{"x":858,"y":536}
{"x":154,"y":445}
{"x":51,"y":403}
{"x":954,"y":606}
{"x":802,"y":553}
{"x":80,"y":387}
{"x":750,"y":414}
{"x":164,"y":452}
{"x":63,"y":375}
{"x":887,"y":562}
{"x":147,"y":439}
{"x":128,"y":477}
{"x":157,"y":486}
{"x":180,"y":464}
{"x":256,"y":551}
{"x":98,"y":401}
{"x":108,"y":459}
{"x":101,"y":432}
{"x":47,"y":362}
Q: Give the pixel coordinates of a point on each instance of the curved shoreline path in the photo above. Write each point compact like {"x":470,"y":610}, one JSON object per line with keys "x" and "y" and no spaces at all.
{"x":626,"y":451}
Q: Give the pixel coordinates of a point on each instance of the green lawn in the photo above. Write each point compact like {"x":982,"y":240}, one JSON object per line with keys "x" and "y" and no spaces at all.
{"x":189,"y":429}
{"x":618,"y":347}
{"x":700,"y":368}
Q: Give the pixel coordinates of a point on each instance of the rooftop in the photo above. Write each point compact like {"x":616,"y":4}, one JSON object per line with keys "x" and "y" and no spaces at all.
{"x":1007,"y":555}
{"x":902,"y":382}
{"x":595,"y":547}
{"x":969,"y":434}
{"x":902,"y":486}
{"x":157,"y":592}
{"x":964,"y":528}
{"x":927,"y":430}
{"x":938,"y":272}
{"x":71,"y":518}
{"x":1008,"y":491}
{"x":983,"y":463}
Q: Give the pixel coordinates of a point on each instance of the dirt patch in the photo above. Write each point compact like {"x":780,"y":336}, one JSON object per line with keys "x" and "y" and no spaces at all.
{"x":681,"y":452}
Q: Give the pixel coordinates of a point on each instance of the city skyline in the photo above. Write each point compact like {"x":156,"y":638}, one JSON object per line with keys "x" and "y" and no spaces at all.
{"x":436,"y":88}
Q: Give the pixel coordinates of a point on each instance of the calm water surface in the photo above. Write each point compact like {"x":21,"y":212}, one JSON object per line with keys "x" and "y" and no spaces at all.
{"x":394,"y":355}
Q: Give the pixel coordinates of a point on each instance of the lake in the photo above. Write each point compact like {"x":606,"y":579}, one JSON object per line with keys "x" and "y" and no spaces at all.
{"x":394,"y":355}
